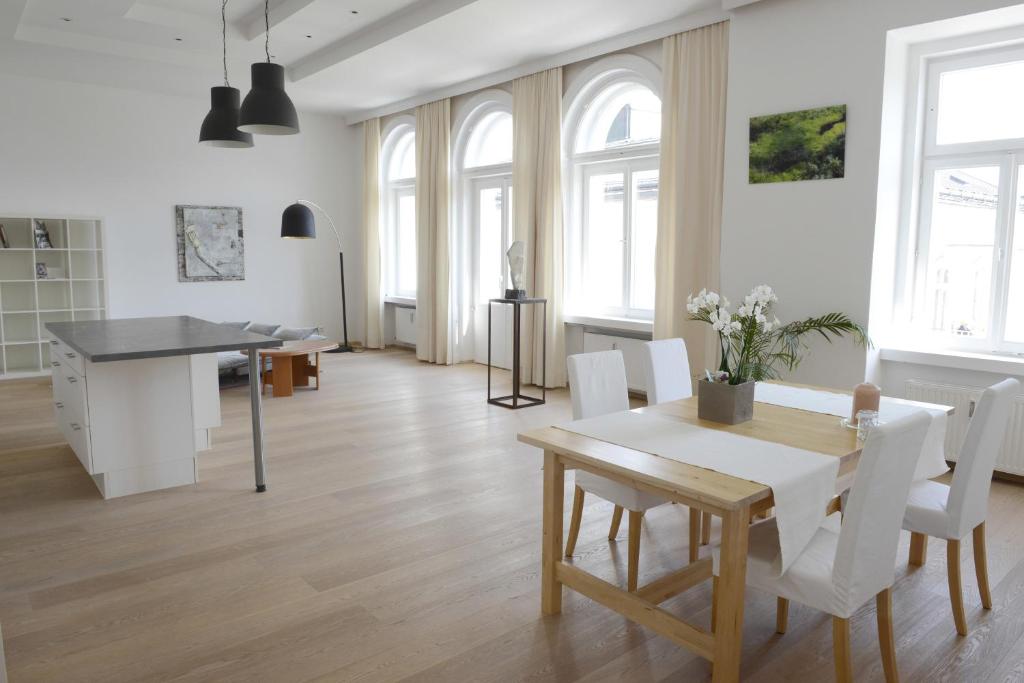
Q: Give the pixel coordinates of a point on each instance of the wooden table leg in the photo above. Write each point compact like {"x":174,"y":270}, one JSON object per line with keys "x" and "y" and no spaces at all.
{"x":300,"y":371}
{"x":732,"y":577}
{"x":551,"y":548}
{"x":316,"y":371}
{"x":282,"y":371}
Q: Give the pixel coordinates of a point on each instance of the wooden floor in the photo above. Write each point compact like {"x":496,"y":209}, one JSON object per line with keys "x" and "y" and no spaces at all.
{"x":399,"y":540}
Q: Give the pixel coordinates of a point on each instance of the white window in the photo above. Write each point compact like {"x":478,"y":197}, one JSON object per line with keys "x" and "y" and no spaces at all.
{"x":613,"y":131}
{"x":483,"y":213}
{"x":967,"y":279}
{"x":398,"y":209}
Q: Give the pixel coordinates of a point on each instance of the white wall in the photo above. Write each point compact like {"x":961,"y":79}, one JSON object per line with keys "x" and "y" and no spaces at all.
{"x":129,"y":157}
{"x":812,"y":240}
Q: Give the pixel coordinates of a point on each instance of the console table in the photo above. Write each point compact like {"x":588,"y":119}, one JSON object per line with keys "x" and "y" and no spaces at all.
{"x":517,"y":399}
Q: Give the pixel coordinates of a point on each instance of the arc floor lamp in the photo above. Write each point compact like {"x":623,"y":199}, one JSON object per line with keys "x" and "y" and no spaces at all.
{"x":298,"y":222}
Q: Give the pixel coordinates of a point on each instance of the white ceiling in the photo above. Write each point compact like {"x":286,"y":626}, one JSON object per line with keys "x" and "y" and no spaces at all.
{"x":342,"y":56}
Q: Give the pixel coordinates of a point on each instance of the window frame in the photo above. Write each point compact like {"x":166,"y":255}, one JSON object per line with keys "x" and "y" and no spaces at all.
{"x":392,"y":192}
{"x":578,"y":166}
{"x":1006,"y":154}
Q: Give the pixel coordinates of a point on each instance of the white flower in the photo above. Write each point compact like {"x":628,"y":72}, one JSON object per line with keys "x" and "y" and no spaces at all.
{"x":712,"y":298}
{"x":742,"y":311}
{"x":736,"y":327}
{"x":760,"y":318}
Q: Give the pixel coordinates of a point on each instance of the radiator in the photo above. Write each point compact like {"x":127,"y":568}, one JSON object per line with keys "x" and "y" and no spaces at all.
{"x":964,"y":399}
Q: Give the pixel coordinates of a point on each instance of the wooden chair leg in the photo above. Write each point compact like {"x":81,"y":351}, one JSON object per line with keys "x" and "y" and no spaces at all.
{"x":695,"y":516}
{"x":574,"y":521}
{"x":714,"y":603}
{"x":781,"y":615}
{"x":635,"y":520}
{"x":955,"y":591}
{"x":613,"y":531}
{"x":886,"y":640}
{"x":981,"y":565}
{"x":841,"y":649}
{"x":705,"y":529}
{"x":918,"y":549}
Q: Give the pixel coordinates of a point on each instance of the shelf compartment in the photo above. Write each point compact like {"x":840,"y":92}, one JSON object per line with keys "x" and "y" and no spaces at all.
{"x":22,"y":358}
{"x":18,"y":232}
{"x":20,"y":328}
{"x":84,"y":234}
{"x":86,"y":294}
{"x":85,"y":265}
{"x":17,"y":265}
{"x":55,"y":317}
{"x":56,"y":262}
{"x":55,"y":228}
{"x":17,"y":296}
{"x":54,"y":295}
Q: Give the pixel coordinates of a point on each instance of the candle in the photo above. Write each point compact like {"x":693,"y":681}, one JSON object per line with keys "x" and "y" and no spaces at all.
{"x":866,"y":396}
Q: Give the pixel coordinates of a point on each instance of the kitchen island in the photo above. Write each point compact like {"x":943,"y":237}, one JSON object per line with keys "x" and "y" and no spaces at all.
{"x":136,"y":398}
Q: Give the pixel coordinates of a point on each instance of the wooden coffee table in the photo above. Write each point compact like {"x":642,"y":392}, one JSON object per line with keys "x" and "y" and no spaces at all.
{"x":291,"y":367}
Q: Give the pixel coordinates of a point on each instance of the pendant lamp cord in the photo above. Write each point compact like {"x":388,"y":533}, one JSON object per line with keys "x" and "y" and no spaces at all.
{"x":224,"y":39}
{"x":266,"y":21}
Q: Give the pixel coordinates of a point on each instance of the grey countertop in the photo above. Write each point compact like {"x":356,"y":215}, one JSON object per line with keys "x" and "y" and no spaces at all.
{"x":132,"y":338}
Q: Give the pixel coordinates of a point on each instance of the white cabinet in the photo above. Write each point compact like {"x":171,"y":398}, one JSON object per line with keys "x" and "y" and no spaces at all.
{"x":136,"y":425}
{"x":632,"y":355}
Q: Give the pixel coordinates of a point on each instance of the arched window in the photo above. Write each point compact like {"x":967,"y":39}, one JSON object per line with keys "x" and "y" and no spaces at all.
{"x":483,"y":209}
{"x":612,"y":140}
{"x":398,"y":208}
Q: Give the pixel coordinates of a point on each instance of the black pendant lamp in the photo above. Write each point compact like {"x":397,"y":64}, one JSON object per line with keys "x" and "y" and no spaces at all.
{"x":220,"y":127}
{"x":267,"y":109}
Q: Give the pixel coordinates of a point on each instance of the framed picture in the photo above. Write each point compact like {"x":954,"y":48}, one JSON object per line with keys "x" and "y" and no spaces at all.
{"x":41,"y":272}
{"x":798,"y":145}
{"x":210,"y":243}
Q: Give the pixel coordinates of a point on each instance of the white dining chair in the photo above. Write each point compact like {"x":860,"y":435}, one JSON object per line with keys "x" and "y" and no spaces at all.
{"x":852,"y":556}
{"x":953,"y":512}
{"x":667,"y":373}
{"x":597,"y":385}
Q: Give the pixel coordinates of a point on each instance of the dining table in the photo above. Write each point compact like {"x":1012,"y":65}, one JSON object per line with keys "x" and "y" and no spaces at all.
{"x":733,"y":499}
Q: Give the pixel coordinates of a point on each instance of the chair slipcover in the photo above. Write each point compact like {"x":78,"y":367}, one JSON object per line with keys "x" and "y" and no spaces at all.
{"x":951,"y":512}
{"x":848,"y":561}
{"x":667,"y":370}
{"x":597,"y":384}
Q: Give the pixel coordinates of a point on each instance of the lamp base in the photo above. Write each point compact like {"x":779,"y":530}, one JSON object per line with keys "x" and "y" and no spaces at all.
{"x":343,"y":348}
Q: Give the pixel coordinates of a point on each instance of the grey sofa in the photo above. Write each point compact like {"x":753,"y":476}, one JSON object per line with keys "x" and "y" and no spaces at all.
{"x":236,"y":363}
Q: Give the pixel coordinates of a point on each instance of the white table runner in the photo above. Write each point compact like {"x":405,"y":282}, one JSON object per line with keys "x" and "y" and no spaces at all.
{"x":801,"y":481}
{"x":932,"y":462}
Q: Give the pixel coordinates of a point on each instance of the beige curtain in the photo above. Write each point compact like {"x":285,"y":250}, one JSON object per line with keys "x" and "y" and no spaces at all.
{"x":537,"y":215}
{"x":433,"y":327}
{"x":694,"y":71}
{"x":374,"y":337}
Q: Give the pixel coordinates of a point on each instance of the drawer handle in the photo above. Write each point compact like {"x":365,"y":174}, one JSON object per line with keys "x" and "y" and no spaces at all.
{"x":69,"y":354}
{"x":76,"y":426}
{"x":54,"y":342}
{"x":58,"y":404}
{"x":55,"y":363}
{"x":72,"y":379}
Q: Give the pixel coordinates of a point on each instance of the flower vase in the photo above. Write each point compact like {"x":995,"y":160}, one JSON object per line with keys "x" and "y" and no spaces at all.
{"x":726,"y":403}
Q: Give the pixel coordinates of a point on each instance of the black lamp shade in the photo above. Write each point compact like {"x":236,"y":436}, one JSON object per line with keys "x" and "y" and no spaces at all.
{"x":297,"y":222}
{"x":267,"y":110}
{"x":220,"y":127}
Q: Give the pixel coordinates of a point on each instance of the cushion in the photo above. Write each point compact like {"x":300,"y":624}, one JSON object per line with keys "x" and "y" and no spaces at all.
{"x":926,"y":509}
{"x":237,"y":326}
{"x":316,"y":337}
{"x":266,"y":329}
{"x":229,"y":360}
{"x":294,"y":333}
{"x":620,"y":494}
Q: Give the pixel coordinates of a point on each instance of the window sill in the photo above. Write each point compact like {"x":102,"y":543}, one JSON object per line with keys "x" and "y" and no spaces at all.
{"x":403,"y":301}
{"x":611,"y":323}
{"x":961,"y":360}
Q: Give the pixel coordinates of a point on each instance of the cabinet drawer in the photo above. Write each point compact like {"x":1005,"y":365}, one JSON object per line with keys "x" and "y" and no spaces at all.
{"x":63,"y":356}
{"x":77,"y":435}
{"x":70,"y":394}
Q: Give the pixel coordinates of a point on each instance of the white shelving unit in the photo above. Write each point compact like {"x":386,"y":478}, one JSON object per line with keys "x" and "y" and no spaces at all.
{"x":27,"y":302}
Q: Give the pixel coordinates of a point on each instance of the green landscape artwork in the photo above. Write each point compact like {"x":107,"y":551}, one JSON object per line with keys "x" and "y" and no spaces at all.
{"x":798,"y":145}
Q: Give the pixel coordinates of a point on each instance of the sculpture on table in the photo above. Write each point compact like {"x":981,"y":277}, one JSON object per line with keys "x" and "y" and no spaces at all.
{"x":516,"y":255}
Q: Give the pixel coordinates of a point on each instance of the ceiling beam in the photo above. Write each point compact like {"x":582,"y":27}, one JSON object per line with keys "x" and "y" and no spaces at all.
{"x":390,"y":27}
{"x":253,"y":25}
{"x":10,"y":17}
